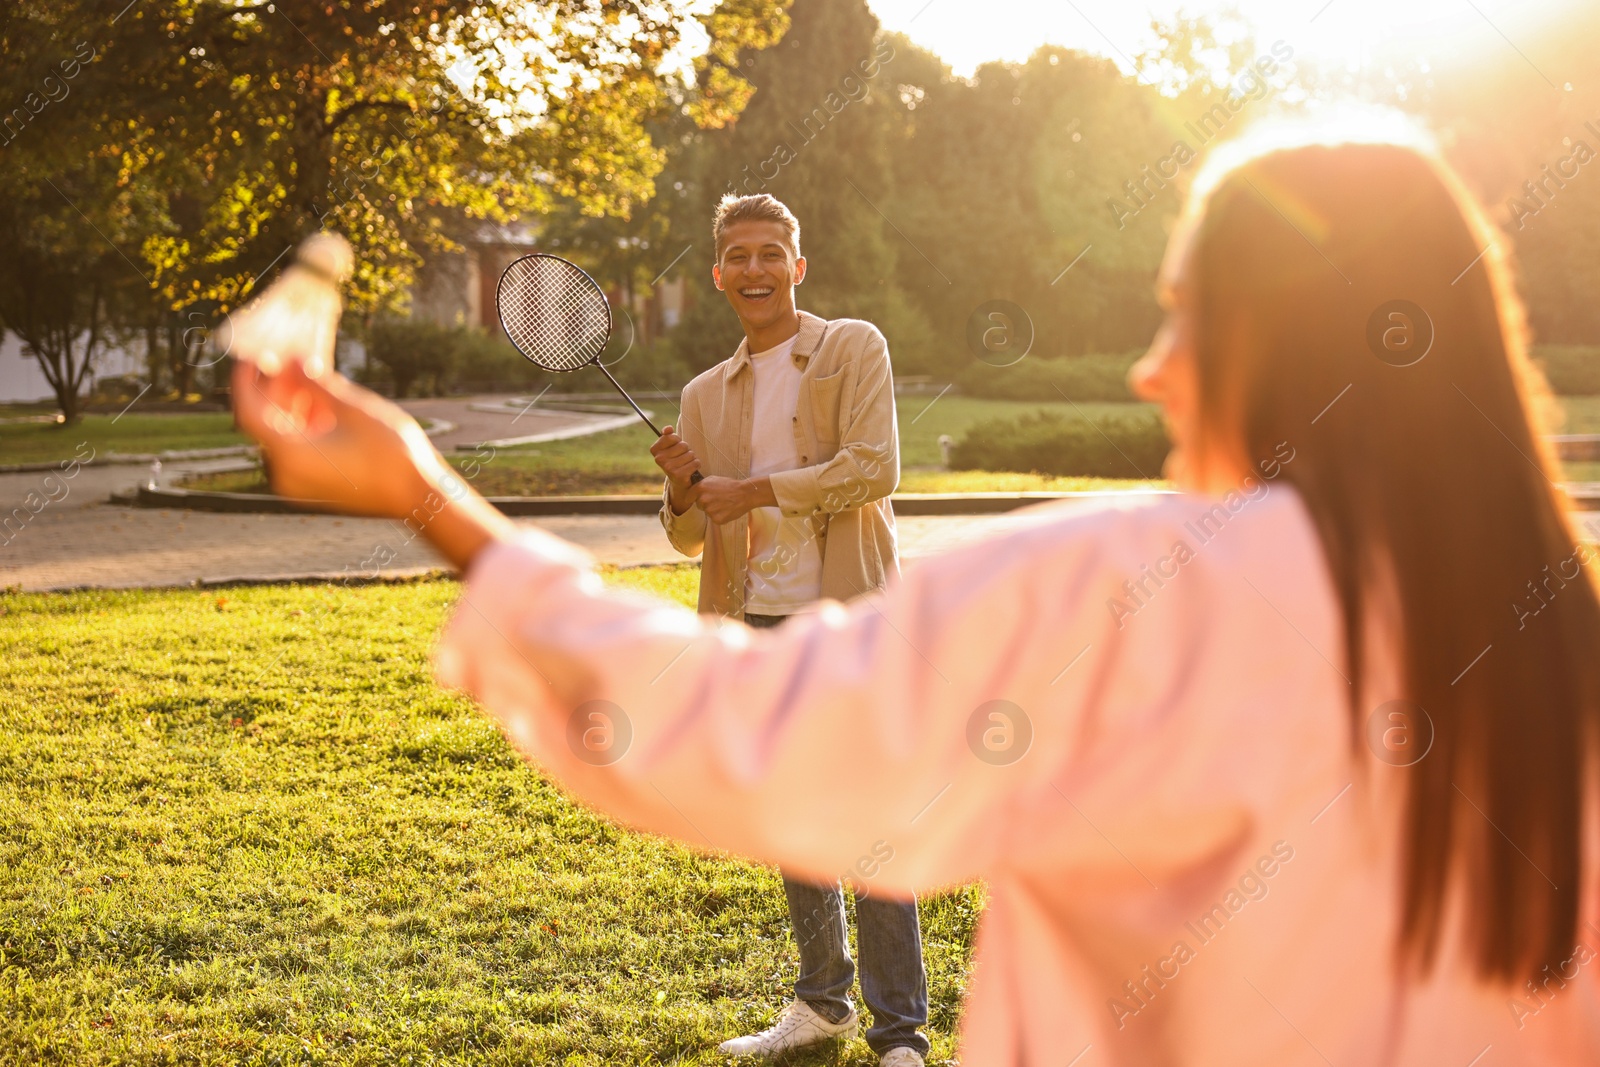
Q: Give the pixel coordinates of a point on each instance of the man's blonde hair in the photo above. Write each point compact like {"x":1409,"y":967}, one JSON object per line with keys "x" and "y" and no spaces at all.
{"x":761,"y":207}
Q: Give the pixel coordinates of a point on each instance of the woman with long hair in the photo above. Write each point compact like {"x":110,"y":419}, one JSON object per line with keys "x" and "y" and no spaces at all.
{"x":1294,"y":766}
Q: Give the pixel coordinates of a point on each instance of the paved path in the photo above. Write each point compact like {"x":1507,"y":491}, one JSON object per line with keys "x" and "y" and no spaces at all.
{"x":80,"y":542}
{"x":77,"y":539}
{"x":473,"y":424}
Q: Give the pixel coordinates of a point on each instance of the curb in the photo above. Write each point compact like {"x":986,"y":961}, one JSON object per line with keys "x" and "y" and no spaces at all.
{"x":548,"y":405}
{"x":396,"y":577}
{"x":1585,"y":498}
{"x":617,"y":504}
{"x":115,"y":459}
{"x":402,"y":576}
{"x":1576,"y":446}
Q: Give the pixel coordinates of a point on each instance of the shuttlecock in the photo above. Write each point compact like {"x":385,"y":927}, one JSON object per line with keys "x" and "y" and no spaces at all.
{"x":297,"y":318}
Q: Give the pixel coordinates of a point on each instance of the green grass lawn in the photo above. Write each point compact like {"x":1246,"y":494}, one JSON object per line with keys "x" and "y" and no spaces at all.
{"x":1579,"y":414}
{"x":1580,"y":471}
{"x":244,"y":827}
{"x":618,"y":461}
{"x":34,"y":442}
{"x":1582,"y":414}
{"x":27,"y":408}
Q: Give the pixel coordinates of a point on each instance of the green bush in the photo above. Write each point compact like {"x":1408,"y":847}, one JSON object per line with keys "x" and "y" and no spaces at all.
{"x":487,"y":360}
{"x":404,"y":354}
{"x":1097,"y":377}
{"x":414,"y":351}
{"x":1043,"y":442}
{"x":652,"y":366}
{"x":118,"y":389}
{"x":1573,"y":370}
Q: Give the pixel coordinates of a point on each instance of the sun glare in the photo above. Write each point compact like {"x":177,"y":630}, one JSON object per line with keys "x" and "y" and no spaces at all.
{"x":1364,"y":33}
{"x":1347,"y":34}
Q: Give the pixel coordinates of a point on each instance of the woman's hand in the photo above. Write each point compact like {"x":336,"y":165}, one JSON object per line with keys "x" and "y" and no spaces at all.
{"x":326,"y":440}
{"x":331,"y":443}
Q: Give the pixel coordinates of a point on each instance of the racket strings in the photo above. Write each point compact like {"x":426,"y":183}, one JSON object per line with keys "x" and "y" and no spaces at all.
{"x":554,"y":313}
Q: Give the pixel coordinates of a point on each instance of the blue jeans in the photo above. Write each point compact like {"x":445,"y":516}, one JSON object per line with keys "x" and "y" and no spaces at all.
{"x":893,"y":982}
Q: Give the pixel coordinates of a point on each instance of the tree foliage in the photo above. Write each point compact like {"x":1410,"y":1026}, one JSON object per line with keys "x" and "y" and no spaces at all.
{"x":161,"y":158}
{"x":218,"y":133}
{"x":922,"y":196}
{"x":399,"y":124}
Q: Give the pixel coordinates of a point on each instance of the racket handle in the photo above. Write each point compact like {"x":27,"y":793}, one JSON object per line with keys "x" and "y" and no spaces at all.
{"x":693,"y":478}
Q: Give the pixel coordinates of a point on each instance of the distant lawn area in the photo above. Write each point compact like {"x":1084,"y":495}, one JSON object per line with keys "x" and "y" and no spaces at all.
{"x":37,"y":442}
{"x":618,"y":461}
{"x":244,"y":827}
{"x":1582,"y":414}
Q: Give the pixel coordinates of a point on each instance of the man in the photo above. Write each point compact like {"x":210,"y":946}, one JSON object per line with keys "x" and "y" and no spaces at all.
{"x":795,"y":439}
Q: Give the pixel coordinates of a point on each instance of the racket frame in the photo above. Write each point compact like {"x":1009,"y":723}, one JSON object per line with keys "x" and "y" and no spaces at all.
{"x":594,"y":361}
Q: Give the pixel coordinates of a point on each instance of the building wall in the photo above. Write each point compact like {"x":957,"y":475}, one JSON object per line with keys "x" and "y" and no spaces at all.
{"x":22,"y":381}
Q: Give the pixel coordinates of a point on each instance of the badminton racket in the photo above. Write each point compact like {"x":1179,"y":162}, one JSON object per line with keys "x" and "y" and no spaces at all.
{"x":559,"y":319}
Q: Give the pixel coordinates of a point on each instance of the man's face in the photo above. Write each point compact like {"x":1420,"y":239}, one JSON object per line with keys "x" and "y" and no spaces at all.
{"x":758,"y":271}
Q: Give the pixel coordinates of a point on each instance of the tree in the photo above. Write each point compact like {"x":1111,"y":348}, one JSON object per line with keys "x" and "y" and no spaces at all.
{"x":1005,"y":179}
{"x":1523,"y":126}
{"x":813,"y":135}
{"x":241,"y":127}
{"x":1502,"y":115}
{"x":60,"y":297}
{"x":66,"y":281}
{"x":923,"y":196}
{"x":386,"y":121}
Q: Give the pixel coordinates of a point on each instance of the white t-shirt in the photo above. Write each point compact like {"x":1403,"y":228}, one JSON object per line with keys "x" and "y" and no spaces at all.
{"x":785,"y":572}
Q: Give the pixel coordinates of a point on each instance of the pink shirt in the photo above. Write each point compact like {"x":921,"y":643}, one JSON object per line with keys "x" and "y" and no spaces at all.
{"x":1186,"y":862}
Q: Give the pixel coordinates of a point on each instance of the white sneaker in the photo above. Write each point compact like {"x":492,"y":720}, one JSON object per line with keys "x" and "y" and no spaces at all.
{"x":797,"y":1027}
{"x":901,"y":1057}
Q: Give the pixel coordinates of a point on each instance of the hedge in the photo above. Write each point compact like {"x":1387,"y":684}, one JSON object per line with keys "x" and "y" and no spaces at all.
{"x":1132,"y":445}
{"x":1573,"y":370}
{"x":439,"y":360}
{"x":1097,"y":377}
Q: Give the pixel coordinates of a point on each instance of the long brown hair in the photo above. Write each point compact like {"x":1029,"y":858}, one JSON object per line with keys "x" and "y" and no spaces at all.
{"x":1428,"y":481}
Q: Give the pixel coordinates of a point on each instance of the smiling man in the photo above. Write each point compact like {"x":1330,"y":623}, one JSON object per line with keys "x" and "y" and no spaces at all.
{"x":794,"y":436}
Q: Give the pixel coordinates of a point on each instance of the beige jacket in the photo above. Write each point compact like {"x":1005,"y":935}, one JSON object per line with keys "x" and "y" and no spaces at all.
{"x":844,"y":429}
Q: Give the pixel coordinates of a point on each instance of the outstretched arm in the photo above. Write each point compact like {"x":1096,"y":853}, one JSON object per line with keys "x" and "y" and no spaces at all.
{"x":901,"y":718}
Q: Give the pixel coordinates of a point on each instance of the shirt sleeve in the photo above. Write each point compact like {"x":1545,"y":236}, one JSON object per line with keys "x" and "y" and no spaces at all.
{"x":867,"y":465}
{"x":909,"y":720}
{"x":687,"y":531}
